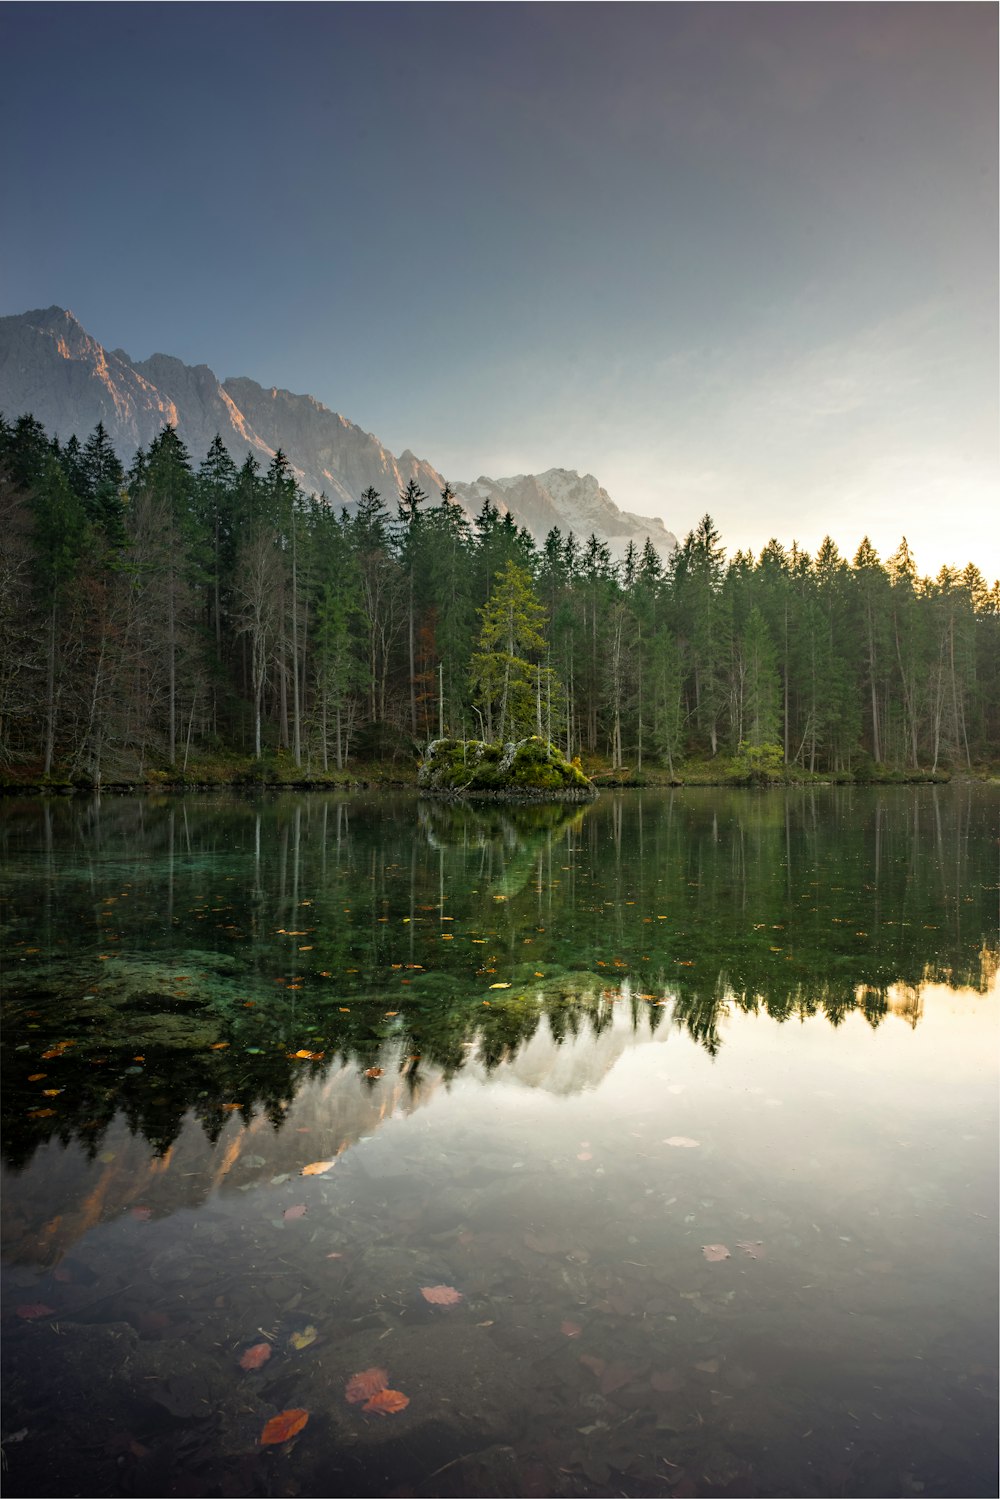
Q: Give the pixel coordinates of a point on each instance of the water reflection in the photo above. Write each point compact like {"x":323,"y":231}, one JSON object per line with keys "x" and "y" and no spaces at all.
{"x":544,"y":1059}
{"x":194,"y":959}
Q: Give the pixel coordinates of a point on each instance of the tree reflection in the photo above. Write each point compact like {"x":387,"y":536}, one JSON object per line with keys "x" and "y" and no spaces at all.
{"x":189,"y":950}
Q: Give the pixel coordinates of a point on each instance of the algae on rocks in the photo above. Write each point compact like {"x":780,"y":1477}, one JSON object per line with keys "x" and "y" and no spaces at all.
{"x":529,"y":768}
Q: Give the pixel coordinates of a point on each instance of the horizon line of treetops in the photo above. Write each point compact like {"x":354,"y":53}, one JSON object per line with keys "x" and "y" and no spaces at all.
{"x":166,"y":611}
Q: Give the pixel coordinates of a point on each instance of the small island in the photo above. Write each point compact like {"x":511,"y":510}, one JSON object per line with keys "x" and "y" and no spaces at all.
{"x":529,"y":769}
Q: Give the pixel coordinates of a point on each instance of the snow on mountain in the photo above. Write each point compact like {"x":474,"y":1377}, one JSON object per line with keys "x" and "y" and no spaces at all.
{"x":50,"y":366}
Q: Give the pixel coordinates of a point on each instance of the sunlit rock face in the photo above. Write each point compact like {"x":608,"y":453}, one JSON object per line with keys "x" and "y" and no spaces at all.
{"x":562,"y":497}
{"x":50,"y":366}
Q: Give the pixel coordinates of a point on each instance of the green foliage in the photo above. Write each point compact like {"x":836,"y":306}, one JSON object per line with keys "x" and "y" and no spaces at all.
{"x":153,"y":617}
{"x":530,"y":766}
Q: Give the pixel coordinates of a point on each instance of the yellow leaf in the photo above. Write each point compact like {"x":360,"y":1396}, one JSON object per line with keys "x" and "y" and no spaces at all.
{"x":302,"y":1339}
{"x":317,"y":1168}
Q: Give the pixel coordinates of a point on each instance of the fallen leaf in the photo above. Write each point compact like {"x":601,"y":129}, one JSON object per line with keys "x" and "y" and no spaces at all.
{"x":373,"y":1072}
{"x":499,"y":986}
{"x":364,"y":1385}
{"x":35,"y":1309}
{"x":317,"y":1168}
{"x":570,"y":1329}
{"x":307,"y":1056}
{"x":298,"y":1211}
{"x":387,"y":1403}
{"x":255,"y":1356}
{"x":218,"y":1046}
{"x":36,"y":1077}
{"x":585,"y":1155}
{"x":281,"y":1428}
{"x":715,"y":1252}
{"x":302,"y":1339}
{"x":682,"y":1142}
{"x":143,"y":1214}
{"x":441,"y":1295}
{"x":40,"y":1113}
{"x":335,"y":1255}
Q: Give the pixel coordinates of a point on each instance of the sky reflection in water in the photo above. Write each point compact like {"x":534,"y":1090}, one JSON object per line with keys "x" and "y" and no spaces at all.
{"x":526,"y":1158}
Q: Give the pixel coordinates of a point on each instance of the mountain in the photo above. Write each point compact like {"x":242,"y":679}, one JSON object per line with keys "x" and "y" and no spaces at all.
{"x":50,"y":366}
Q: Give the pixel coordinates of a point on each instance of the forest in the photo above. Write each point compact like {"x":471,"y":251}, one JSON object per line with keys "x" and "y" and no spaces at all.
{"x":161,"y":617}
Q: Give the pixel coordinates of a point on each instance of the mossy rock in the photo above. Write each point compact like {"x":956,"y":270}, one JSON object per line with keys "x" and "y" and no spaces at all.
{"x":531,"y":768}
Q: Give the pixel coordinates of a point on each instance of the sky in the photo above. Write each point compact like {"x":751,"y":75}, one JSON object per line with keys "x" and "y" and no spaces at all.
{"x":736,"y":259}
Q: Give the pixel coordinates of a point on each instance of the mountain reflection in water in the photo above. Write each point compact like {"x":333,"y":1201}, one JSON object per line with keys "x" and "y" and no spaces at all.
{"x":176,"y":960}
{"x":689,"y":1096}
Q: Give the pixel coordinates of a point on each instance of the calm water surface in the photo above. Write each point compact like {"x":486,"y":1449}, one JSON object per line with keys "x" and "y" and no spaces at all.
{"x":688,"y":1100}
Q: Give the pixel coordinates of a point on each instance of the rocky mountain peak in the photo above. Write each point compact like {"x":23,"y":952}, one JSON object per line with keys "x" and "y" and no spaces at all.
{"x":51,"y":366}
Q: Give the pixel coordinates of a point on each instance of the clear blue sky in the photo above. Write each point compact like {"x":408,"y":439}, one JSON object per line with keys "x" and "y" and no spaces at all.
{"x":736,"y":258}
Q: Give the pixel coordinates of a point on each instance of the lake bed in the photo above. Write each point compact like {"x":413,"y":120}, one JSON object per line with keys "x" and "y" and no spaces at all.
{"x":681,"y":1106}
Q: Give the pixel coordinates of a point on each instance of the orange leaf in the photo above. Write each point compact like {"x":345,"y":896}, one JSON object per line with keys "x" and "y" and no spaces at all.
{"x":317,"y":1168}
{"x":373,"y":1072}
{"x":387,"y":1402}
{"x":441,"y":1295}
{"x":218,"y":1046}
{"x":571,"y":1329}
{"x":40,"y":1113}
{"x":364,"y":1385}
{"x":255,"y":1356}
{"x":36,"y":1077}
{"x":280,"y":1428}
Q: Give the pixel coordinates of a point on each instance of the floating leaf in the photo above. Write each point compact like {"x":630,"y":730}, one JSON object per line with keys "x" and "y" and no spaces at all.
{"x":281,"y":1428}
{"x":254,"y":1357}
{"x":373,"y":1072}
{"x":585,"y":1155}
{"x":570,"y":1329}
{"x":364,"y":1385}
{"x":35,"y":1309}
{"x":441,"y":1295}
{"x":387,"y":1402}
{"x":708,"y":1365}
{"x":317,"y":1168}
{"x":302,"y":1339}
{"x":36,"y":1077}
{"x":715,"y":1252}
{"x":40,"y":1113}
{"x":682,"y":1142}
{"x":306,"y":1056}
{"x":298,"y":1211}
{"x":143,"y":1214}
{"x":499,"y":986}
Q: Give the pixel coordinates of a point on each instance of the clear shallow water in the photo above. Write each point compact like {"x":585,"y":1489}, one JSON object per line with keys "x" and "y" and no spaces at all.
{"x":802,"y":987}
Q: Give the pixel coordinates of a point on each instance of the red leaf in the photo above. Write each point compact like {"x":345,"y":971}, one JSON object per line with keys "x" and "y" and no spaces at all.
{"x":255,"y":1356}
{"x":387,"y":1402}
{"x":441,"y":1295}
{"x":281,"y":1428}
{"x":364,"y":1385}
{"x":143,"y":1214}
{"x":298,"y":1211}
{"x":35,"y":1309}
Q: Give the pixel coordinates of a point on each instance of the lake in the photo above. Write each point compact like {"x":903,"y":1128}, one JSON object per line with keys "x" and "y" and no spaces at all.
{"x":645,"y":1148}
